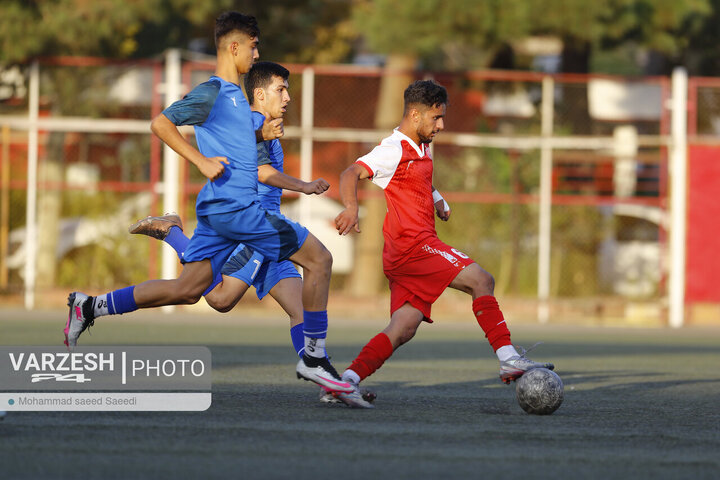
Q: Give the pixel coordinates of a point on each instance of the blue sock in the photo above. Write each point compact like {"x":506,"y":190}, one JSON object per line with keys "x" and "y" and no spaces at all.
{"x":216,"y":280}
{"x":298,"y":338}
{"x":121,"y":301}
{"x":177,"y":240}
{"x":315,"y":324}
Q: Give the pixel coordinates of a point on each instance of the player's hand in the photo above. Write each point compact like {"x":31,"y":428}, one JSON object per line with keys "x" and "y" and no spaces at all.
{"x":213,"y":167}
{"x":346,"y":221}
{"x":272,"y":129}
{"x":442,"y":213}
{"x":316,"y":187}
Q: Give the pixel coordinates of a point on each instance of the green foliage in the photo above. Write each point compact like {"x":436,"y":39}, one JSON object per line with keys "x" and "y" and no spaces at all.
{"x":424,"y":27}
{"x":60,"y":27}
{"x":702,"y":51}
{"x":113,"y":263}
{"x":306,"y":30}
{"x":500,"y":237}
{"x":325,"y":31}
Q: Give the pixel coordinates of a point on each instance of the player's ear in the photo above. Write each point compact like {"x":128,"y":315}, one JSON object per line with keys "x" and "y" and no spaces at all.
{"x":415,"y":114}
{"x":259,"y":94}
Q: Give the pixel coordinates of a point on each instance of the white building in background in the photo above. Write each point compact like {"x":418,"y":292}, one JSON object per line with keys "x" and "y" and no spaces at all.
{"x":322,"y":225}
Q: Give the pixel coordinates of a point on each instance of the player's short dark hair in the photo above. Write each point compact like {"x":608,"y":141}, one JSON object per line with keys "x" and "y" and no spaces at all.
{"x":261,"y":75}
{"x":428,"y":93}
{"x":229,"y":22}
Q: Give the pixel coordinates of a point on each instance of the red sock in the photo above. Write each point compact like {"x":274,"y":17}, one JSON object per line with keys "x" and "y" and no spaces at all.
{"x":491,"y":320}
{"x":372,"y":356}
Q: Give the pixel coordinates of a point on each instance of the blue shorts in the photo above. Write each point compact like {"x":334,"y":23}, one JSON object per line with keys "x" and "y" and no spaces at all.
{"x":251,"y":268}
{"x":243,"y":264}
{"x":271,"y":235}
{"x":271,"y":273}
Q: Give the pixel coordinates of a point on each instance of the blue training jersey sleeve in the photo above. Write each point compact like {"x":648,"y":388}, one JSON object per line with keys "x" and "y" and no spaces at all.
{"x":195,"y":107}
{"x":263,"y":154}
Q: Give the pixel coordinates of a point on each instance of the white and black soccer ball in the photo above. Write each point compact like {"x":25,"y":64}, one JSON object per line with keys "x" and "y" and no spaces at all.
{"x":539,"y":391}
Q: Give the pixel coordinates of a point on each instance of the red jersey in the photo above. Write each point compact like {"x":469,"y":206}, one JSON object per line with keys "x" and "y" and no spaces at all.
{"x":404,"y":170}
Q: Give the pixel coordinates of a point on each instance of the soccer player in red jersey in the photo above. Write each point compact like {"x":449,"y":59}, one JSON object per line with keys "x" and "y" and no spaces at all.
{"x":418,"y":265}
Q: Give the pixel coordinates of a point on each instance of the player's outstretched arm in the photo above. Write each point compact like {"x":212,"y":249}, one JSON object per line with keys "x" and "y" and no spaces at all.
{"x":167,"y":131}
{"x":269,"y":175}
{"x":348,"y":218}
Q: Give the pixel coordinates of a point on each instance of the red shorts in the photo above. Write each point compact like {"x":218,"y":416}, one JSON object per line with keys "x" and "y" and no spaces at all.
{"x":424,"y":275}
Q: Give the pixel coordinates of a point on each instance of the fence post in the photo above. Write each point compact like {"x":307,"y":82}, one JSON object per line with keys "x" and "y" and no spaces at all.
{"x":678,"y":197}
{"x":171,"y":175}
{"x":306,"y":140}
{"x":31,"y":207}
{"x":545,"y":207}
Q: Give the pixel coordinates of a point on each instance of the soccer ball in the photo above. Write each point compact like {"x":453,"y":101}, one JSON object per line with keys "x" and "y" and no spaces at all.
{"x":539,"y":391}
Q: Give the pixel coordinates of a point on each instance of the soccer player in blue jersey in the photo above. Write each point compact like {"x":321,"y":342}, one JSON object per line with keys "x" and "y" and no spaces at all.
{"x":266,"y":85}
{"x":227,"y":208}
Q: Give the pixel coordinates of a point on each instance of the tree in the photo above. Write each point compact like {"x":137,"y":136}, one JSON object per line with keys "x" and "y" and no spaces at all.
{"x":426,"y":27}
{"x":701,"y":53}
{"x":291,"y":30}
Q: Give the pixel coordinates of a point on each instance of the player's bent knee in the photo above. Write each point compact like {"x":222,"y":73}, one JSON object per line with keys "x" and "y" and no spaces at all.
{"x":327,"y":259}
{"x":481,"y":283}
{"x":220,"y":302}
{"x":406,"y":334}
{"x":222,"y":308}
{"x":488,"y":282}
{"x":191,"y":298}
{"x":321,"y":262}
{"x":323,"y":257}
{"x":188,"y":294}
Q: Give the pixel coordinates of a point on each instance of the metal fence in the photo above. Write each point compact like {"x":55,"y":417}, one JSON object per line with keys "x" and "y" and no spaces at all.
{"x":559,"y":183}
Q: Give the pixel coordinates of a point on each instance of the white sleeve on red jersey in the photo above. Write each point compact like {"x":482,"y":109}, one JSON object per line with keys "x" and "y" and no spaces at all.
{"x":381,"y":163}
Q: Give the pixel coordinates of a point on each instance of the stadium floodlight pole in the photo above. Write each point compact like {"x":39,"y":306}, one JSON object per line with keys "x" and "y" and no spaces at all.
{"x":31,"y":207}
{"x":545,"y":207}
{"x":678,"y":197}
{"x":171,"y":175}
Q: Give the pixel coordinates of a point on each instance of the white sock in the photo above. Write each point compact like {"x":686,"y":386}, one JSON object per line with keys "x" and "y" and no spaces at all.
{"x":350,"y":376}
{"x":314,"y":347}
{"x":100,"y":305}
{"x":506,"y":352}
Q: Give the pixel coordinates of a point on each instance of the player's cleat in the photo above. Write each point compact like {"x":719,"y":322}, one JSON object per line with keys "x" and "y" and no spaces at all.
{"x":156,"y":227}
{"x":356,"y":399}
{"x":320,"y":371}
{"x":79,"y":318}
{"x":327,"y":396}
{"x":514,"y":367}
